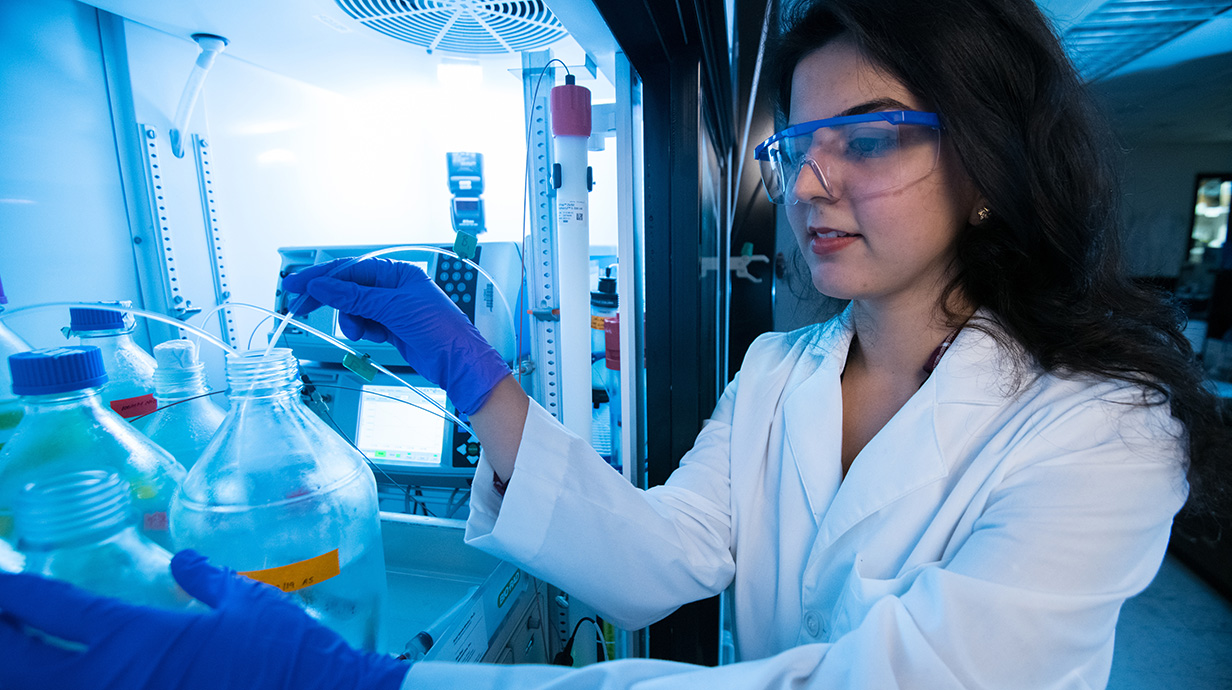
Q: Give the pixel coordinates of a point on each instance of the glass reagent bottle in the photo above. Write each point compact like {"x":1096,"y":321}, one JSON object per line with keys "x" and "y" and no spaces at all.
{"x":130,"y":370}
{"x":10,"y":407}
{"x":67,"y":429}
{"x":78,"y":527}
{"x":186,"y":418}
{"x":280,"y":497}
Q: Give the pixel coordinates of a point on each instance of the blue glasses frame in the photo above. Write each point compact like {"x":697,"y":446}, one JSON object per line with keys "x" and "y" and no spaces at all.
{"x":896,"y":117}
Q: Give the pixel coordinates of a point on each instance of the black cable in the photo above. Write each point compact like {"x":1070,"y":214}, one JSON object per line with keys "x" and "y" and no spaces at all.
{"x":365,"y":391}
{"x":527,"y":209}
{"x":308,"y":389}
{"x":565,"y":656}
{"x":177,"y":402}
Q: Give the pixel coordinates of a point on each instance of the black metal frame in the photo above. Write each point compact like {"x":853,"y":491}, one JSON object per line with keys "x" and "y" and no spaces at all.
{"x":679,"y":51}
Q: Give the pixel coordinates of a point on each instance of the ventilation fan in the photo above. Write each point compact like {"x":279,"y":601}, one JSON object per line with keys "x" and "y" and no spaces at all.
{"x":461,"y":26}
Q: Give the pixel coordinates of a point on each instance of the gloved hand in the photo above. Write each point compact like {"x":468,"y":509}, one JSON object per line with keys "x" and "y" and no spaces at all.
{"x":396,"y":302}
{"x":255,"y":638}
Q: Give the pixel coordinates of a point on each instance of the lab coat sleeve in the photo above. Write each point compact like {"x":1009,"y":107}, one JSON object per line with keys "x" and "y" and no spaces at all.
{"x":635,"y":556}
{"x":1027,"y":601}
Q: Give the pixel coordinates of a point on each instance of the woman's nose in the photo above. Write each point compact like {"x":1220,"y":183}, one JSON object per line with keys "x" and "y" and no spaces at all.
{"x":811,"y":183}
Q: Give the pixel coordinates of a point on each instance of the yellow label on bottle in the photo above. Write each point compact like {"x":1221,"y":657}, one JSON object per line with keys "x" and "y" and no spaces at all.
{"x":596,"y":322}
{"x":299,"y":575}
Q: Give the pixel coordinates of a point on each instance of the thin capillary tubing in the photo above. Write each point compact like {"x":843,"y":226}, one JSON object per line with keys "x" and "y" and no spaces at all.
{"x":299,"y":303}
{"x":347,"y":348}
{"x":214,"y":340}
{"x":154,"y":316}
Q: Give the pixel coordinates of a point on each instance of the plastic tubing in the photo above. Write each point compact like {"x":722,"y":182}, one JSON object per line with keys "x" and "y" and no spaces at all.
{"x":347,"y":348}
{"x":213,"y":340}
{"x":294,"y":310}
{"x":154,"y":316}
{"x":211,"y":46}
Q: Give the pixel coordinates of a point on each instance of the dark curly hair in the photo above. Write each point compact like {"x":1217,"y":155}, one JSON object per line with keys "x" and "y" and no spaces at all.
{"x":1048,"y":263}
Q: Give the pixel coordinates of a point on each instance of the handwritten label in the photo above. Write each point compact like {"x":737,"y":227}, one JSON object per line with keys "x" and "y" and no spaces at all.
{"x":135,"y":407}
{"x":299,"y":575}
{"x":464,"y":245}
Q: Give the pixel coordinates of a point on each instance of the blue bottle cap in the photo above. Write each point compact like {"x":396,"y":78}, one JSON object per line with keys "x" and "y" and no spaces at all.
{"x":57,"y":370}
{"x":85,"y":319}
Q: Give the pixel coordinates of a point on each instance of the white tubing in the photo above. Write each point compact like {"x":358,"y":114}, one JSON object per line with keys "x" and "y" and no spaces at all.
{"x":211,"y":46}
{"x":286,"y":318}
{"x":155,"y":316}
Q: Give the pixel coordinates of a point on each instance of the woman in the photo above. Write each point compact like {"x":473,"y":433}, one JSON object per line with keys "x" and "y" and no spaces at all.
{"x":954,"y":483}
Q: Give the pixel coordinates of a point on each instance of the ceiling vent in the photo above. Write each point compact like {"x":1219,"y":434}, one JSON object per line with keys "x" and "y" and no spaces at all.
{"x":461,"y":26}
{"x":1120,"y":31}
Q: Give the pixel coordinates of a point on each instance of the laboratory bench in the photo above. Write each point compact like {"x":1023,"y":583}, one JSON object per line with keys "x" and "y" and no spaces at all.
{"x":497,"y":612}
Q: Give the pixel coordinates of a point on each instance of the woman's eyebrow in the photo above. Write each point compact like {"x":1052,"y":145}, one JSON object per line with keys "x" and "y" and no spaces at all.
{"x":873,"y":106}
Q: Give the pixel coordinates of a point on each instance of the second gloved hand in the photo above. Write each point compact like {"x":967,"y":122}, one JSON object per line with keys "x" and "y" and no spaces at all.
{"x":396,"y":302}
{"x":252,"y":638}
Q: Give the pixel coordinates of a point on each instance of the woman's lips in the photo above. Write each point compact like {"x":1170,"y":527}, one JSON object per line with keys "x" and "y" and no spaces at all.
{"x":823,"y":241}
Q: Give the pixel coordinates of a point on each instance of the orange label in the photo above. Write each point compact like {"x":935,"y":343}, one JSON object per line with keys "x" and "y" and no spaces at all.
{"x":299,"y":575}
{"x":596,"y":322}
{"x":135,"y":407}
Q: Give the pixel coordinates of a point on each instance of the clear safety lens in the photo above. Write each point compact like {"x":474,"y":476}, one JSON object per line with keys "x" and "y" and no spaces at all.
{"x":849,"y":159}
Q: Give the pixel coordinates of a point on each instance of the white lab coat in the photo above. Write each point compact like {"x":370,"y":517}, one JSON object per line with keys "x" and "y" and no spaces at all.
{"x":984,"y":538}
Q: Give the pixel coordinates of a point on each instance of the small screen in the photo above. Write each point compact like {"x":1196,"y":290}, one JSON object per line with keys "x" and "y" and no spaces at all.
{"x":397,"y":428}
{"x":423,"y":266}
{"x":466,"y":205}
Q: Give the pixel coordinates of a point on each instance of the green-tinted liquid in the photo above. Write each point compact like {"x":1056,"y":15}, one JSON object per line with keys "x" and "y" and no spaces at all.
{"x":10,"y":417}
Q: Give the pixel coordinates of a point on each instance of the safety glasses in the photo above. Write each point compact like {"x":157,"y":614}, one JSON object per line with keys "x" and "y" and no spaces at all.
{"x":852,"y":156}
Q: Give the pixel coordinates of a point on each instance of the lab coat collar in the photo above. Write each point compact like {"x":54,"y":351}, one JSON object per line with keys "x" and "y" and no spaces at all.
{"x":916,"y":446}
{"x":812,"y":415}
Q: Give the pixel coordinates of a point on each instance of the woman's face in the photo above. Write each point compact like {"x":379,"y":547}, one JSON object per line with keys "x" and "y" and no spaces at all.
{"x":893,"y":247}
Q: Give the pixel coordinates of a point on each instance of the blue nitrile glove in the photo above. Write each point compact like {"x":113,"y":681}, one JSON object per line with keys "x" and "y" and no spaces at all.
{"x":255,"y":638}
{"x":396,"y":302}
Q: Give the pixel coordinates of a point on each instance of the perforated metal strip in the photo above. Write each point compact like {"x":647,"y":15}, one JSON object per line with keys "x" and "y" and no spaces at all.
{"x":158,"y":211}
{"x":218,"y":262}
{"x":541,"y":250}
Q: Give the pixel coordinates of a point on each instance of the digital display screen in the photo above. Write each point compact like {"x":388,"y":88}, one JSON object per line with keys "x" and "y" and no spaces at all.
{"x":423,"y":265}
{"x":466,"y":205}
{"x":396,"y":427}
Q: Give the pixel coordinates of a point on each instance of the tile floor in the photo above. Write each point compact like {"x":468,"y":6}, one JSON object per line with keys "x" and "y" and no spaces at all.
{"x":1176,"y":635}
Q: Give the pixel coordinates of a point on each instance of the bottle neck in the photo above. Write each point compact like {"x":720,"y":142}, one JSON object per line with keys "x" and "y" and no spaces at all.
{"x":120,"y":334}
{"x":109,"y":342}
{"x":172,"y":385}
{"x":84,"y":397}
{"x":71,"y":509}
{"x":254,"y":375}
